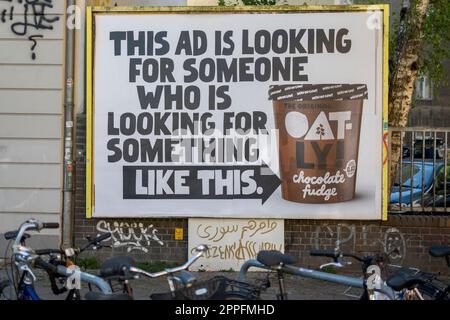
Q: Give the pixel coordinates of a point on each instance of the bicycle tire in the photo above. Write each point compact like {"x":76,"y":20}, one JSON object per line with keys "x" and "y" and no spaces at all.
{"x":7,"y":292}
{"x":3,"y":284}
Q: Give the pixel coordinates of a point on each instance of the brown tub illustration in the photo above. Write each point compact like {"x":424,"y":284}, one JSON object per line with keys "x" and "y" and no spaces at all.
{"x":319,"y":128}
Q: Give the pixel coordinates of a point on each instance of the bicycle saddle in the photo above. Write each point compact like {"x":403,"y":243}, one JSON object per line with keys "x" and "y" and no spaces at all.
{"x":274,"y":257}
{"x":13,"y":234}
{"x":439,"y":251}
{"x":100,"y":296}
{"x":400,"y":281}
{"x":116,"y":267}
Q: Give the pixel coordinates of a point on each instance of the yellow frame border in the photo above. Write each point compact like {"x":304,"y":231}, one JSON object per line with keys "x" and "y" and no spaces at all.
{"x":385,"y":152}
{"x":91,"y":11}
{"x":89,"y":111}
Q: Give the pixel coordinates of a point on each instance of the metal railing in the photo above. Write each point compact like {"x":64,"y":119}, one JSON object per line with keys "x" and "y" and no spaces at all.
{"x":423,"y":170}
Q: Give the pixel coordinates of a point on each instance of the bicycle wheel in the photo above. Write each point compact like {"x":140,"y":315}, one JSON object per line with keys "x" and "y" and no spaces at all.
{"x":7,"y":290}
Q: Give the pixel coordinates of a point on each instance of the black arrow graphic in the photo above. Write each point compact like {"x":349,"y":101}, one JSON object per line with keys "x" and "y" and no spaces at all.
{"x":269,"y":182}
{"x":199,"y":182}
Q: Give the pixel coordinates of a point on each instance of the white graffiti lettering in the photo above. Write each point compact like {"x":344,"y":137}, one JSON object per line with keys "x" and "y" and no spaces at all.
{"x":345,"y":236}
{"x":133,"y":236}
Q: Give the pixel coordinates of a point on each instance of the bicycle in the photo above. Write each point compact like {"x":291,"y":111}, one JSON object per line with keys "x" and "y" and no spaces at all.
{"x":372,"y":267}
{"x":419,"y":285}
{"x":67,"y":257}
{"x":281,"y":264}
{"x":406,"y":283}
{"x":21,"y":279}
{"x":184,"y":286}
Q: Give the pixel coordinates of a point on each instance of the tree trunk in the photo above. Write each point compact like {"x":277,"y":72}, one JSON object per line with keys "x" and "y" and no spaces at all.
{"x":403,"y":76}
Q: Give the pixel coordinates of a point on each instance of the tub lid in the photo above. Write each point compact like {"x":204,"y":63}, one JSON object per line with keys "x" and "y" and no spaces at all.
{"x":301,"y":92}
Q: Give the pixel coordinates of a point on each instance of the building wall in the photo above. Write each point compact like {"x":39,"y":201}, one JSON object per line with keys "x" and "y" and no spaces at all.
{"x":405,"y":239}
{"x":434,"y":113}
{"x":430,"y":116}
{"x":31,"y":99}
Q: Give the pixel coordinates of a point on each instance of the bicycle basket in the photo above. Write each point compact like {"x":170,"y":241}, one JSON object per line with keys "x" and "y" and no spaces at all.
{"x":212,"y":289}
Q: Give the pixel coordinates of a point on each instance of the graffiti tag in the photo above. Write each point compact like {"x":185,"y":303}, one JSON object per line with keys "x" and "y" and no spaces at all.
{"x":132,"y":235}
{"x":391,"y":242}
{"x":33,"y":20}
{"x":216,"y":233}
{"x":233,"y":241}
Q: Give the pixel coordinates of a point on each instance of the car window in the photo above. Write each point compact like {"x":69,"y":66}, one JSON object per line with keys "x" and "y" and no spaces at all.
{"x":406,"y":175}
{"x":417,"y":176}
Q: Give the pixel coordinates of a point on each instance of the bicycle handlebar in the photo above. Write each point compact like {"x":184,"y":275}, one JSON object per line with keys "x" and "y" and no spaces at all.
{"x":336,"y":254}
{"x":43,"y":252}
{"x":200,"y":251}
{"x":101,"y":237}
{"x":35,"y":225}
{"x":96,"y":241}
{"x":66,"y":272}
{"x":50,"y":225}
{"x":39,"y":263}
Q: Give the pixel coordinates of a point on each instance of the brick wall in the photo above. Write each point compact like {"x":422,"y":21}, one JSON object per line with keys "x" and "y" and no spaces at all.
{"x":405,"y":238}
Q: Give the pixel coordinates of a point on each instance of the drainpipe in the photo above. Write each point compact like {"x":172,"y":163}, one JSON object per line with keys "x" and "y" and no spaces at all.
{"x":68,"y":189}
{"x":79,"y":79}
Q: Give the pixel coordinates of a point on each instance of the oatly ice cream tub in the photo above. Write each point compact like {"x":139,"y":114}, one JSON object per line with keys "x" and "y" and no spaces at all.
{"x":319,"y":127}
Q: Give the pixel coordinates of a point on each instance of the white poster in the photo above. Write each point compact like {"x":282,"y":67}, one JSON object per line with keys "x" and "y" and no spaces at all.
{"x":241,"y":115}
{"x":231,"y":242}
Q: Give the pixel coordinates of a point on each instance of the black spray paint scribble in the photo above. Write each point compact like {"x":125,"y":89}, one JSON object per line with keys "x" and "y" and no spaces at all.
{"x":33,"y":20}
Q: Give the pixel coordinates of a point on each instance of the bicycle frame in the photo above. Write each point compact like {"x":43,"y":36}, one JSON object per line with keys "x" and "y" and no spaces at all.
{"x":312,"y":274}
{"x":28,"y":292}
{"x":23,"y":289}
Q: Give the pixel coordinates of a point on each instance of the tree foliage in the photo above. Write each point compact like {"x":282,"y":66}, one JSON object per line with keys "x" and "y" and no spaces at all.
{"x":435,"y":34}
{"x":435,"y":41}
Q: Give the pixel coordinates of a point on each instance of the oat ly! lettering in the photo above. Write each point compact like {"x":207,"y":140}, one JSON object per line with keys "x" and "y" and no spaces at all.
{"x":319,"y":128}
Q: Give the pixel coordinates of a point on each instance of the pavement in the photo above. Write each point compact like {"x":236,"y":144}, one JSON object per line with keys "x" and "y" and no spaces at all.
{"x":298,"y":288}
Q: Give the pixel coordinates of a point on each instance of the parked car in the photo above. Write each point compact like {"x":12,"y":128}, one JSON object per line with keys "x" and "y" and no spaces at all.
{"x":439,"y":201}
{"x":429,"y":147}
{"x":413,"y":186}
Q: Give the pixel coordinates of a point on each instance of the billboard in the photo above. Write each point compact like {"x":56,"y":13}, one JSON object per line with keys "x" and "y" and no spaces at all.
{"x":240,"y":112}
